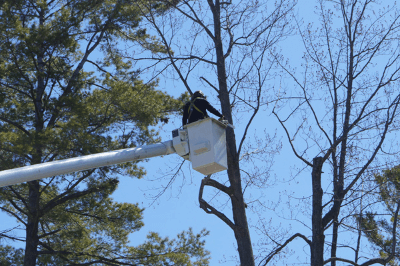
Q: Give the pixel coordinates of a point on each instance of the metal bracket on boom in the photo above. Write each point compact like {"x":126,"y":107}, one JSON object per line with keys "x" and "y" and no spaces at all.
{"x":181,"y":143}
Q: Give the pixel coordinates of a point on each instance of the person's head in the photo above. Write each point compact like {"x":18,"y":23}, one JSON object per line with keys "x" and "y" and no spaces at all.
{"x":198,"y":94}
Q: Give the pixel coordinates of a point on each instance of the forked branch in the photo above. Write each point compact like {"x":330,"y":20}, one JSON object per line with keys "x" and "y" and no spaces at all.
{"x":207,"y":181}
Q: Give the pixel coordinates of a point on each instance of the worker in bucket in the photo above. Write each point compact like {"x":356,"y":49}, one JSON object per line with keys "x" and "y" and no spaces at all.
{"x":196,"y":109}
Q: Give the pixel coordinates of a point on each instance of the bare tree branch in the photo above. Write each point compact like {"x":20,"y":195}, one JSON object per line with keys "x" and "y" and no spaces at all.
{"x":207,"y":207}
{"x":265,"y":261}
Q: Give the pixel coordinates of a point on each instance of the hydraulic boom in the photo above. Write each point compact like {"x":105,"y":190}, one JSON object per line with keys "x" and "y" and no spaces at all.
{"x":206,"y":150}
{"x":61,"y":167}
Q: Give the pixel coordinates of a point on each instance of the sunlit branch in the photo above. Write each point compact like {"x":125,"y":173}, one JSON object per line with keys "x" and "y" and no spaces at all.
{"x":265,"y":261}
{"x":209,"y":83}
{"x":291,"y":142}
{"x":151,"y":19}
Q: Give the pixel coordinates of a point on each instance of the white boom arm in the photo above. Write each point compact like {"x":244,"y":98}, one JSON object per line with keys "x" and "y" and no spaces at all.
{"x":38,"y":171}
{"x":206,"y":150}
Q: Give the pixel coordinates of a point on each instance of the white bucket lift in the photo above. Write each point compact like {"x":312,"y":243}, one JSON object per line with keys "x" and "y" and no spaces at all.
{"x":204,"y":144}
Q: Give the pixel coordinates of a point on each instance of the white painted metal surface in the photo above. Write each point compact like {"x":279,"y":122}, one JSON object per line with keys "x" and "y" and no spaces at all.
{"x":38,"y":171}
{"x":180,"y":141}
{"x":207,"y":145}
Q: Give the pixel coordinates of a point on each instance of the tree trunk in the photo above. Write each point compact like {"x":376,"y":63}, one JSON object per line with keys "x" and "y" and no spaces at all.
{"x":32,"y":227}
{"x":242,"y":233}
{"x":318,"y":238}
{"x":32,"y":240}
{"x":334,"y":240}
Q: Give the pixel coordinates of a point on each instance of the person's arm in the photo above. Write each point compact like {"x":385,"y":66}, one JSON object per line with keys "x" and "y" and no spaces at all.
{"x":212,"y":109}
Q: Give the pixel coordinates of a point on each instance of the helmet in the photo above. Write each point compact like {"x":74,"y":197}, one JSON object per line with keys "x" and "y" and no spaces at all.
{"x":197,"y":94}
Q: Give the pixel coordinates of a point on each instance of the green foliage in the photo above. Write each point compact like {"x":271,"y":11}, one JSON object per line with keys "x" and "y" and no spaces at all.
{"x":10,"y":256}
{"x":47,"y":102}
{"x":65,"y":91}
{"x":379,"y":231}
{"x":163,"y":251}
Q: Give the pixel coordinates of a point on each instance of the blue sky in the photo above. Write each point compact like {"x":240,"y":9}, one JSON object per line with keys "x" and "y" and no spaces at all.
{"x":284,"y":196}
{"x":178,"y":208}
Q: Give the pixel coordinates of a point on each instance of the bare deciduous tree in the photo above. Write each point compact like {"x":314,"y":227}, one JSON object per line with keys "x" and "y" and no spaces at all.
{"x":346,"y":117}
{"x":231,"y":40}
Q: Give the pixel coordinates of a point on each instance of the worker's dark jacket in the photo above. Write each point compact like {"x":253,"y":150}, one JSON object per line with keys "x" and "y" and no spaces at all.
{"x":197,"y":109}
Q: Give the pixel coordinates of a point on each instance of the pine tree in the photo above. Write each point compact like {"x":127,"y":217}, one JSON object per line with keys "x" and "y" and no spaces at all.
{"x":377,"y":228}
{"x":65,"y":91}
